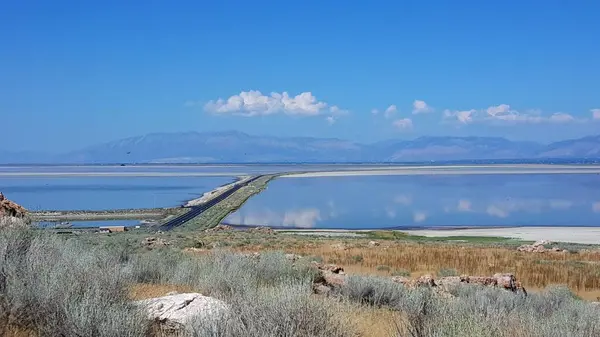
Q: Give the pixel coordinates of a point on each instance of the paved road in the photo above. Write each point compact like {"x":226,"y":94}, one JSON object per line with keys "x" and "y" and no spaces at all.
{"x":197,"y":210}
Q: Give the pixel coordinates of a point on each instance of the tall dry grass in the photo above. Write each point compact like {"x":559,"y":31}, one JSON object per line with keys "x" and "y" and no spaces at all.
{"x":579,"y":271}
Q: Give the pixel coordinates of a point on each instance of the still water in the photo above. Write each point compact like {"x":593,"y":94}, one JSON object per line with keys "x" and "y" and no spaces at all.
{"x":104,"y":193}
{"x":426,"y":201}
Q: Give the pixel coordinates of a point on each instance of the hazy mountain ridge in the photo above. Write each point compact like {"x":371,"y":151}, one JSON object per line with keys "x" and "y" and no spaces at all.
{"x":234,"y":146}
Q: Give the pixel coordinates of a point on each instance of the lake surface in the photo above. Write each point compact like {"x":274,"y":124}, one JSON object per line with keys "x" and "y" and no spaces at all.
{"x":363,"y":202}
{"x":104,"y":193}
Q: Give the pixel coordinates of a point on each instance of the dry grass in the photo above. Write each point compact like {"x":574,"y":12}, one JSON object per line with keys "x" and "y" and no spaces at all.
{"x":142,"y":291}
{"x":579,"y":271}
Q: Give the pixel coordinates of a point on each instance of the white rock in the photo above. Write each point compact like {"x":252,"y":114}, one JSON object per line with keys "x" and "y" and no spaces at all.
{"x":183,"y":309}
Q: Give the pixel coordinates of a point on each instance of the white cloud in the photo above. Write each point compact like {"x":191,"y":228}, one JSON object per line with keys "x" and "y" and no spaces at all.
{"x":501,"y":109}
{"x":390,"y":111}
{"x":596,"y":207}
{"x":330,"y":120}
{"x":595,"y":114}
{"x":421,"y":107}
{"x":561,"y":117}
{"x":503,"y":113}
{"x":302,"y":218}
{"x":374,"y":111}
{"x":464,"y":117}
{"x":404,"y":123}
{"x":504,"y":208}
{"x":419,"y":216}
{"x":254,"y":103}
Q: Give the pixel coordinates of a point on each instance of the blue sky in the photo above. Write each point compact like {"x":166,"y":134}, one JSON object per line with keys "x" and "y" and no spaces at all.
{"x":75,"y":73}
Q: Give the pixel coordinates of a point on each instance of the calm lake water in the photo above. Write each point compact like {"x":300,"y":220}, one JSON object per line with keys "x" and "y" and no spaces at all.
{"x":426,"y":201}
{"x":103,"y":193}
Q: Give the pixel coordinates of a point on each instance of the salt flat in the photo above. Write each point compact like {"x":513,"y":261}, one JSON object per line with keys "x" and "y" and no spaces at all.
{"x":454,"y":170}
{"x":584,"y":235}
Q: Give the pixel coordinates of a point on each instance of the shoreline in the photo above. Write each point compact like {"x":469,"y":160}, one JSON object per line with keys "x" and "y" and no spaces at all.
{"x":441,"y":171}
{"x":579,"y":235}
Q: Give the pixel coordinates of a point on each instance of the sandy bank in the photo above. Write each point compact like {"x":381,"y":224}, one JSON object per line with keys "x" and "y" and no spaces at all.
{"x":584,"y":235}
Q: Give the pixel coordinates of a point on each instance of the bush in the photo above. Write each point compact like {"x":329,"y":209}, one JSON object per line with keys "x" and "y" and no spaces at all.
{"x":55,"y":287}
{"x":284,"y":310}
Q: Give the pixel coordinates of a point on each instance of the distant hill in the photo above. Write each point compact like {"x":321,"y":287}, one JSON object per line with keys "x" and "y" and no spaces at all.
{"x":233,"y":146}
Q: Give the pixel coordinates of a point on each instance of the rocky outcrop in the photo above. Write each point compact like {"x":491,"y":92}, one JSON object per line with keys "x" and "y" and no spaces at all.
{"x":177,"y":312}
{"x":328,"y":277}
{"x":12,"y":215}
{"x":155,"y":242}
{"x":11,"y":209}
{"x":501,"y":280}
{"x":539,"y":247}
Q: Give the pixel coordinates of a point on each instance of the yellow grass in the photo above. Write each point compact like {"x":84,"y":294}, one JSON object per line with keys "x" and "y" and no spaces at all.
{"x":142,"y":291}
{"x":579,"y":271}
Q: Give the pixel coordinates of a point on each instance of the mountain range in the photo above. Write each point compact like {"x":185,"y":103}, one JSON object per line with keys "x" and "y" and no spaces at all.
{"x":239,"y":147}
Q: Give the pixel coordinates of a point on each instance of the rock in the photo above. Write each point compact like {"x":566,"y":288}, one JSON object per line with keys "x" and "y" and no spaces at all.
{"x":452,"y":280}
{"x":328,"y":267}
{"x":542,"y":243}
{"x":220,"y":228}
{"x":154,"y":242}
{"x":426,"y":280}
{"x":506,"y":281}
{"x":329,"y":276}
{"x":402,"y":280}
{"x":483,"y":280}
{"x":333,"y":279}
{"x":179,"y":311}
{"x":262,"y":230}
{"x":11,"y":209}
{"x":373,"y":243}
{"x":538,"y":247}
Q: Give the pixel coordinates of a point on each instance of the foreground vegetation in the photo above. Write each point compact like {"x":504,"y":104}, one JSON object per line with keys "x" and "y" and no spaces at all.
{"x":62,"y":286}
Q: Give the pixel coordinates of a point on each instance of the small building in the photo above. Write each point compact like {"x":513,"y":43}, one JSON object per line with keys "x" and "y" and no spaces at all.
{"x":112,"y":229}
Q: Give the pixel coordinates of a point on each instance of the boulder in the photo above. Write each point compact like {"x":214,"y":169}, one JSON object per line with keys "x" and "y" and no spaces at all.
{"x":483,"y":280}
{"x":402,"y":280}
{"x":178,"y":311}
{"x":11,"y":209}
{"x":154,"y":242}
{"x":538,"y":247}
{"x":425,"y":280}
{"x":506,"y":281}
{"x":328,"y":267}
